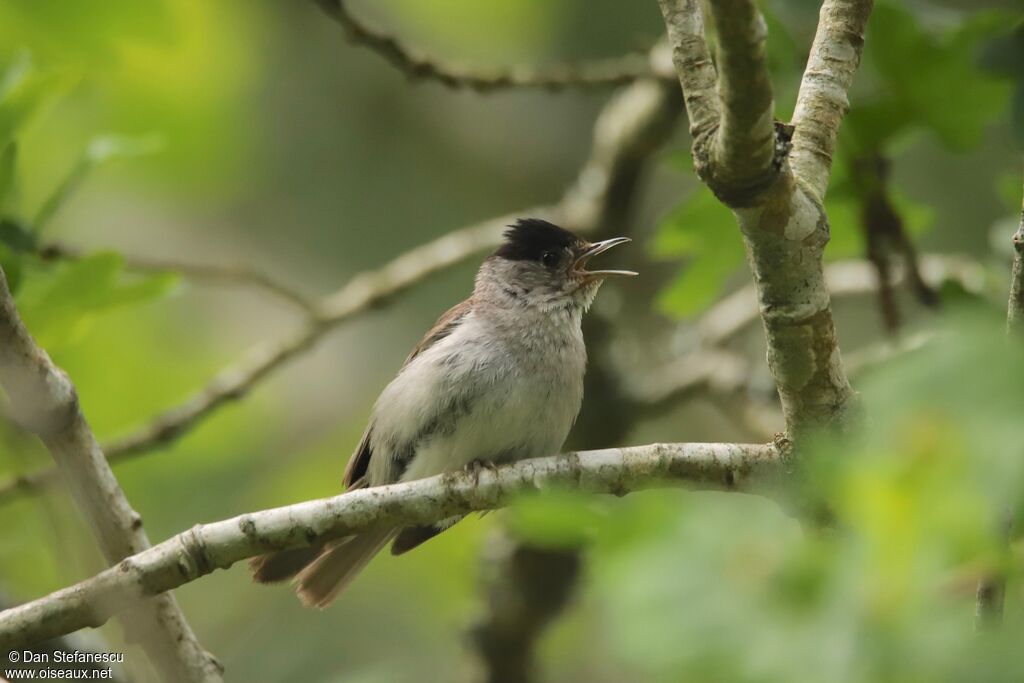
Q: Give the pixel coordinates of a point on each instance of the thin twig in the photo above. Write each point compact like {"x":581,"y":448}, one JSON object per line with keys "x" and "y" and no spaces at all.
{"x":206,"y":547}
{"x":598,"y":73}
{"x":43,"y":401}
{"x":885,"y":233}
{"x":1015,"y":307}
{"x":219,"y":273}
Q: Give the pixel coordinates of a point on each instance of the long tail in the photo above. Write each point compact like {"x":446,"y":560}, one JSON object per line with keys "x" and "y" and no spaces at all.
{"x":321,"y":572}
{"x":319,"y":583}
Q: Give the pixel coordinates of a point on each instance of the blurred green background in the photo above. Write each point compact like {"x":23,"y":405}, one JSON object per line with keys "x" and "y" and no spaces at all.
{"x":225,"y":131}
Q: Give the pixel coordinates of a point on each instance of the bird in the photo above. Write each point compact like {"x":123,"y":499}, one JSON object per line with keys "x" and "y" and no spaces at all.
{"x":498,"y":378}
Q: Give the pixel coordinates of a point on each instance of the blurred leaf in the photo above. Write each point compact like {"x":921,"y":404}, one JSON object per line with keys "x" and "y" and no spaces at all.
{"x":14,"y":235}
{"x":703,"y":229}
{"x":58,"y":310}
{"x":917,"y":216}
{"x":24,"y":92}
{"x":1004,"y":54}
{"x":556,"y":518}
{"x":100,"y":150}
{"x":10,"y":261}
{"x":185,"y":69}
{"x":931,"y":80}
{"x":846,"y":236}
{"x":8,"y":162}
{"x":1017,"y":113}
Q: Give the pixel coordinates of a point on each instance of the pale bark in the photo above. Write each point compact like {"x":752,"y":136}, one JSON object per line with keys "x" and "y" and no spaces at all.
{"x":1015,"y":307}
{"x":206,"y":547}
{"x":779,"y":211}
{"x":43,"y":400}
{"x":823,"y":100}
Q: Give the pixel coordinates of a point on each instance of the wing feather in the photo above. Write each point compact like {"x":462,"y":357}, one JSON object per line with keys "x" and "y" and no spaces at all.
{"x":359,"y":463}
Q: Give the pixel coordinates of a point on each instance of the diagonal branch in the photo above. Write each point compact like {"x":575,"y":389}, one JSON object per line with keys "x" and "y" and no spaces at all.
{"x":823,"y":101}
{"x":206,"y":547}
{"x":631,"y":125}
{"x":44,"y":401}
{"x":601,"y":73}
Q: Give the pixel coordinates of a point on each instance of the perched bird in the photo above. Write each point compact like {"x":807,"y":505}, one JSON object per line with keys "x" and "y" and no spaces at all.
{"x":498,"y":378}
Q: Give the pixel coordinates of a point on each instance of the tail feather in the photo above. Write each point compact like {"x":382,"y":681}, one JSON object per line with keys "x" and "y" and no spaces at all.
{"x":283,"y":564}
{"x":339,"y":563}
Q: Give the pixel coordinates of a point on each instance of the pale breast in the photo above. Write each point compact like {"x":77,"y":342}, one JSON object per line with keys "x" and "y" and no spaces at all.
{"x":489,"y":392}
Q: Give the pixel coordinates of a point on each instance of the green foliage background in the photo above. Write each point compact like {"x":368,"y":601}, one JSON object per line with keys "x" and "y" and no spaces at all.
{"x":235,"y":131}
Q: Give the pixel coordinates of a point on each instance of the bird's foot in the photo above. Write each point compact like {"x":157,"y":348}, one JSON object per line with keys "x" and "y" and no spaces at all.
{"x":475,"y":467}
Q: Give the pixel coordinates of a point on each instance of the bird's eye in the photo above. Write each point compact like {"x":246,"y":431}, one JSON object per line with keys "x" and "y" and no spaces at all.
{"x":549,"y":259}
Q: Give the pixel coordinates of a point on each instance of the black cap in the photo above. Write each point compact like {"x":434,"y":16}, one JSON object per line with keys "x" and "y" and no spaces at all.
{"x":528,"y":239}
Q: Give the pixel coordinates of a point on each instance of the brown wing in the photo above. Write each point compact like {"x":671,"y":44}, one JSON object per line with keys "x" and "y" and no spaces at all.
{"x":355,"y":471}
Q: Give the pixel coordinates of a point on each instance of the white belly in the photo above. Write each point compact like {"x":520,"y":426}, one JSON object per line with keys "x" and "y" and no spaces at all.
{"x":504,"y":402}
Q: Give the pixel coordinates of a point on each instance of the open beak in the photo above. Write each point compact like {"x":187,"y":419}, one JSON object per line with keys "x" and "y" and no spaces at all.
{"x":580,"y":266}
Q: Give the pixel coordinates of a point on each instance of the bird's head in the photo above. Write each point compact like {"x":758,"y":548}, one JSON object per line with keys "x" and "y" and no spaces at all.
{"x":542,"y":264}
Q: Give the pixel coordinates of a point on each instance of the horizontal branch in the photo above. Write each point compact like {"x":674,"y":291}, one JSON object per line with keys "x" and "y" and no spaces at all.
{"x":206,"y":547}
{"x":598,"y":73}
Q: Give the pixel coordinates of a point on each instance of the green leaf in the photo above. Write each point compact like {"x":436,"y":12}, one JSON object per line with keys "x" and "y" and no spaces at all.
{"x":846,"y":238}
{"x":11,"y":263}
{"x":100,"y":150}
{"x":8,"y":161}
{"x":24,"y":92}
{"x":60,"y":310}
{"x":15,"y":236}
{"x":931,"y":80}
{"x":557,"y":518}
{"x":704,"y":230}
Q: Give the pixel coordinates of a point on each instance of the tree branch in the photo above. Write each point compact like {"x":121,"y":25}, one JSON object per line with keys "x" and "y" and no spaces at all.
{"x":823,"y":102}
{"x":206,"y":547}
{"x":1015,"y":307}
{"x":696,"y":70}
{"x":44,"y":401}
{"x":744,"y":148}
{"x":783,"y":224}
{"x":601,"y":73}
